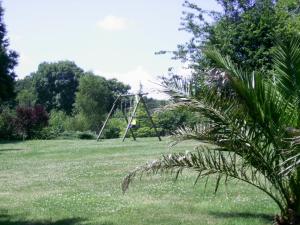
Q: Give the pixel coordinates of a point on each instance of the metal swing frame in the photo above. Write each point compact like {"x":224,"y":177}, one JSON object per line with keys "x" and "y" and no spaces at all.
{"x":139,"y":99}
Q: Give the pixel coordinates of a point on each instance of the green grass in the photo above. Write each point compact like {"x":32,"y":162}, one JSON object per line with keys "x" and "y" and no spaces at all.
{"x":73,"y":182}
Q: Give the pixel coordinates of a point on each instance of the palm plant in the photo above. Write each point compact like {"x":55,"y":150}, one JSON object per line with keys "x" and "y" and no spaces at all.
{"x":254,"y":134}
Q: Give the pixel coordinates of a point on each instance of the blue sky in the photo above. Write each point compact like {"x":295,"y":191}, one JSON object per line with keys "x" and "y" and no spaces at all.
{"x":112,"y":38}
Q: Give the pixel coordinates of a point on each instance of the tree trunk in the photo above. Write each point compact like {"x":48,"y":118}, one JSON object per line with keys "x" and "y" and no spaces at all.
{"x":290,"y":218}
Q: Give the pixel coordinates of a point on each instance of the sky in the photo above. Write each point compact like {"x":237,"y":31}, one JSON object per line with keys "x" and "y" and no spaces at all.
{"x":112,"y":38}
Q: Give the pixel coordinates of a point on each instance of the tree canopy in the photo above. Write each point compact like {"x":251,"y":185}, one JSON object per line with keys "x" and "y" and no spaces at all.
{"x":8,"y":60}
{"x":55,"y":85}
{"x":95,"y":97}
{"x":246,"y":30}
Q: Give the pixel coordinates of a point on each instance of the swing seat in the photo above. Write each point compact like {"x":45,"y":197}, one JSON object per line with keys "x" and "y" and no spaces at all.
{"x":133,"y":123}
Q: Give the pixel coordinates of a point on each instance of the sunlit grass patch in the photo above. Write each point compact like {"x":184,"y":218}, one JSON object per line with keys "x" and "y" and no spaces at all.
{"x":79,"y":182}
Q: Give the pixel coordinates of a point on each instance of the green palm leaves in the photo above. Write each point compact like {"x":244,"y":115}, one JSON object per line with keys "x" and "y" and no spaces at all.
{"x":253,"y":132}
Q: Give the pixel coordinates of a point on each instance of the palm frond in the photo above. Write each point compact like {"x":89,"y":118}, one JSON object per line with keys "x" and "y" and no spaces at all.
{"x":287,"y":67}
{"x":207,"y":162}
{"x":292,"y":161}
{"x":264,"y":104}
{"x":254,"y":134}
{"x":200,"y":132}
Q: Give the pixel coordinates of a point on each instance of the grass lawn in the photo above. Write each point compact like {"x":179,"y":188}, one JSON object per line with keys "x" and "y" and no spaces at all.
{"x":74,"y":182}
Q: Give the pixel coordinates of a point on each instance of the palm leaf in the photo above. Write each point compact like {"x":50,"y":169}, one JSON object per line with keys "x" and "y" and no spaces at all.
{"x":207,"y":162}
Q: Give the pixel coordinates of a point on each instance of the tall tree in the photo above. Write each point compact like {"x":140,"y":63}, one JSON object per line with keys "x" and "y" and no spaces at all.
{"x":245,"y":30}
{"x":8,"y":60}
{"x":95,"y":97}
{"x":56,"y":83}
{"x":92,"y":99}
{"x":26,"y":95}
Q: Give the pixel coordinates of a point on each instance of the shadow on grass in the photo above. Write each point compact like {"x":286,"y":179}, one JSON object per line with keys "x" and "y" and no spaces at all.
{"x":8,"y":220}
{"x":11,"y":149}
{"x":244,"y":215}
{"x":10,"y":141}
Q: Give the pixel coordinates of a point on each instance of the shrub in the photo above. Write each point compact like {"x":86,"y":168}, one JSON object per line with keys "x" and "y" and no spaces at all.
{"x":6,"y":124}
{"x":147,"y":132}
{"x":114,"y":128}
{"x":70,"y":135}
{"x":77,"y":123}
{"x":57,"y":121}
{"x":46,"y":133}
{"x":30,"y":121}
{"x":86,"y":135}
{"x":170,"y":120}
{"x":111,"y":132}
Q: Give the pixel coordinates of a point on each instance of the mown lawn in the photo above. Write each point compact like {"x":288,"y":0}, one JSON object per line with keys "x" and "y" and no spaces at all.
{"x":73,"y":182}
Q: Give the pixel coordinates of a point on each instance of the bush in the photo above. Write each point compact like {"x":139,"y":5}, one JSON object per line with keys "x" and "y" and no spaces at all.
{"x":77,"y":123}
{"x":170,"y":120}
{"x":86,"y":135}
{"x":30,"y":121}
{"x":57,"y":121}
{"x":111,"y":132}
{"x":147,"y":132}
{"x":46,"y":133}
{"x":114,"y":128}
{"x":7,"y":124}
{"x":70,"y":135}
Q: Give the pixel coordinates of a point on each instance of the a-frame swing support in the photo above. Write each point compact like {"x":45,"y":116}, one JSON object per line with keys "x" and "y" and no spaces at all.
{"x":140,"y":99}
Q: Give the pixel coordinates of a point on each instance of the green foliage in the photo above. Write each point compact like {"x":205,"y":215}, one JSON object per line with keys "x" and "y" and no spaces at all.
{"x":55,"y":85}
{"x":117,"y":87}
{"x":8,"y":60}
{"x":63,"y":126}
{"x":246,"y":31}
{"x":92,"y":99}
{"x":86,"y":135}
{"x":253,"y":135}
{"x":26,"y":95}
{"x":170,"y":119}
{"x":115,"y":127}
{"x":147,"y":132}
{"x":72,"y":135}
{"x":26,"y":98}
{"x":7,"y":124}
{"x":58,"y":122}
{"x":78,"y":122}
{"x":111,"y":132}
{"x":144,"y":127}
{"x":58,"y":85}
{"x":47,"y":133}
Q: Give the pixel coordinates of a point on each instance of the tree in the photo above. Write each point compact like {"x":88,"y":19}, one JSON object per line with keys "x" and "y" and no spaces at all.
{"x":254,"y":135}
{"x":95,"y":97}
{"x":92,"y":99}
{"x":247,"y":31}
{"x":116,"y":88}
{"x":170,"y":120}
{"x":8,"y":60}
{"x":55,"y":85}
{"x":26,"y":95}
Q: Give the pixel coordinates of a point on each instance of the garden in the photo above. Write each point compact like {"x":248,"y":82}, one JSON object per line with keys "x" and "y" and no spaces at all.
{"x":76,"y":148}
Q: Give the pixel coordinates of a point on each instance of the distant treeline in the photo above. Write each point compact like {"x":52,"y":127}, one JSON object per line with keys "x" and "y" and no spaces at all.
{"x":60,"y":99}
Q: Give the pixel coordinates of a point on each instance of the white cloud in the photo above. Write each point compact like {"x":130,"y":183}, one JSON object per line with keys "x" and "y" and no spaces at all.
{"x":134,"y":78}
{"x":113,"y":23}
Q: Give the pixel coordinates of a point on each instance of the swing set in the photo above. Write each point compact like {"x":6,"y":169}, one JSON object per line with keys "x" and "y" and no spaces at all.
{"x":129,"y":108}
